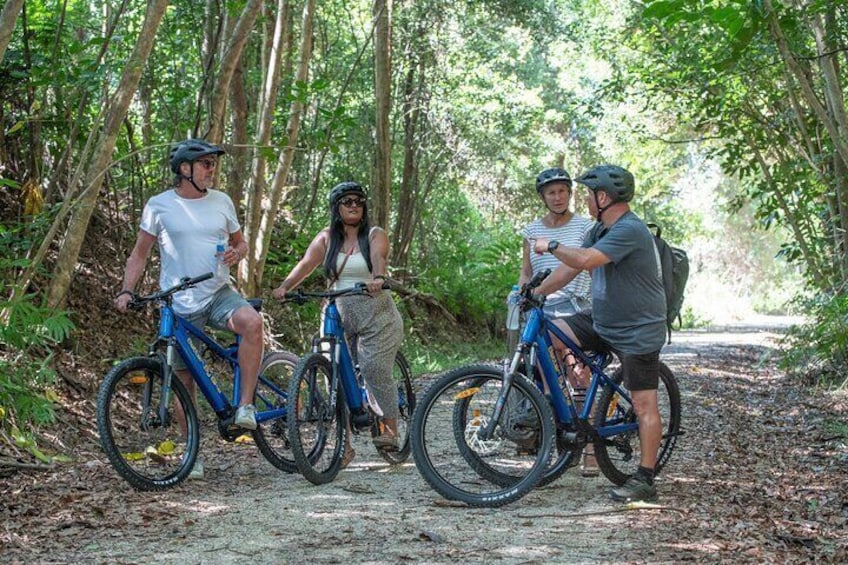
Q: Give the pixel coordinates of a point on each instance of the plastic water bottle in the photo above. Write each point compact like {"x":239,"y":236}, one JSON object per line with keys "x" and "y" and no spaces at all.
{"x":223,"y":269}
{"x":513,"y":322}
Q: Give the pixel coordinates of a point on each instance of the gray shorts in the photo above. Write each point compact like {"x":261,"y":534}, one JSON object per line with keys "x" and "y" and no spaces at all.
{"x":216,"y":314}
{"x":566,"y":308}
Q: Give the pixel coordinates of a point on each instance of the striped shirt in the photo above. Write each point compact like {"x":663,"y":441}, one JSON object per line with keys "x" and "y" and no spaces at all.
{"x":571,"y":234}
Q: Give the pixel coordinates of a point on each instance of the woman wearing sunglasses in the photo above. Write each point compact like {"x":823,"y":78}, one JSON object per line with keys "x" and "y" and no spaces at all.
{"x":352,"y":251}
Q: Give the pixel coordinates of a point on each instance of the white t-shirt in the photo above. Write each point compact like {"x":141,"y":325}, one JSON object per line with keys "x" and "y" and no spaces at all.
{"x":188,"y":231}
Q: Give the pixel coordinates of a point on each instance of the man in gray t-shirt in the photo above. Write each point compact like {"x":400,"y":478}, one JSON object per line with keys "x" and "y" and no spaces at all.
{"x":628,"y":305}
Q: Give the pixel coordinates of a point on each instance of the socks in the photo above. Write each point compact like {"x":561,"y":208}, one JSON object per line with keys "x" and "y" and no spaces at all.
{"x":646,"y":474}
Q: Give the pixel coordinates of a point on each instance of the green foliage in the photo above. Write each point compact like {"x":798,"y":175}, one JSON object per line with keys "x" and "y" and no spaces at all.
{"x":819,"y":348}
{"x":25,"y":368}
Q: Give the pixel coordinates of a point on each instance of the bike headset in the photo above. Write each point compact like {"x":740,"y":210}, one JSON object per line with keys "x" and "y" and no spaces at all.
{"x":190,"y":151}
{"x":548,"y":176}
{"x":616,"y":181}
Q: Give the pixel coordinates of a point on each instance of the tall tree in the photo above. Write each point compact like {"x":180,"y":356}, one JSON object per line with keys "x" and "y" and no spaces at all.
{"x":382,"y":175}
{"x":229,"y":63}
{"x":267,"y":103}
{"x":117,"y":110}
{"x":8,"y":17}
{"x":279,"y":190}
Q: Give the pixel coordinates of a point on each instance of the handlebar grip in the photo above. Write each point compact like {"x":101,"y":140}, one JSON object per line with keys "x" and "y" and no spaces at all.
{"x":200,"y":278}
{"x":537,"y":279}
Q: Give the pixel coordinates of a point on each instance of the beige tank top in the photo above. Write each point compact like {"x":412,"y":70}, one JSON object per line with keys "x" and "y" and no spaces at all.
{"x":355,"y":270}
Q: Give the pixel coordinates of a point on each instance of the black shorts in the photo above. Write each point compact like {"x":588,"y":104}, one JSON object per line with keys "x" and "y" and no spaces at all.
{"x":641,"y":370}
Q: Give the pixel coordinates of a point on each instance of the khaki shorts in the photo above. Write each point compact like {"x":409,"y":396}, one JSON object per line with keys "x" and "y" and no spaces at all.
{"x":216,"y":314}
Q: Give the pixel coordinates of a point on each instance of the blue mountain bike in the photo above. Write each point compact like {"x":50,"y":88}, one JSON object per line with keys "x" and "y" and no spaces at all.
{"x":141,"y":398}
{"x":482,"y":435}
{"x":329,"y":397}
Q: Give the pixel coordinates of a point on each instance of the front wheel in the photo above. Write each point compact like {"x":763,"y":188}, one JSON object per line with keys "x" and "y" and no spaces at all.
{"x":519,"y":450}
{"x":271,"y":399}
{"x":619,"y":455}
{"x":316,"y":422}
{"x":406,"y":406}
{"x":144,"y":437}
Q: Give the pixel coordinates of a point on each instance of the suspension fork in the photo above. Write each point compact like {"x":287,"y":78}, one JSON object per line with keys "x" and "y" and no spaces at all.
{"x":167,"y":375}
{"x":488,"y":431}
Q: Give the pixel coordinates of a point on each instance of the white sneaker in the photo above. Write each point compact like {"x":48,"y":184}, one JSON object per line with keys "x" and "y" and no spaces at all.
{"x":246,"y":417}
{"x":197,"y":471}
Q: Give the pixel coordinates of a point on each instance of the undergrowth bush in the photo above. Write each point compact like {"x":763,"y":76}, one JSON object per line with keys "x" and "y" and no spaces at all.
{"x":819,"y":348}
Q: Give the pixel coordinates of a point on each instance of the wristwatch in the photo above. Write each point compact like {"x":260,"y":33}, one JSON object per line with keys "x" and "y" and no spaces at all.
{"x":552,"y":245}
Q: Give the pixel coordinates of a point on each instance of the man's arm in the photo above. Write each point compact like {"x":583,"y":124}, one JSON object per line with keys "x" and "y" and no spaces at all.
{"x":561,"y":276}
{"x":135,"y":267}
{"x":580,"y":258}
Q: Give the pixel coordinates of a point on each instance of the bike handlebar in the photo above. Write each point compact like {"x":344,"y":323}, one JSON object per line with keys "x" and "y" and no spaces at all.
{"x":138,"y":302}
{"x":526,"y":291}
{"x":301,"y":297}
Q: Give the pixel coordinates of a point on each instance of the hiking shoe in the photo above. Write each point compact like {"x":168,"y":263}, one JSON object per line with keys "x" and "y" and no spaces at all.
{"x":636,"y":489}
{"x":386,"y":442}
{"x":196,"y":471}
{"x":246,"y":417}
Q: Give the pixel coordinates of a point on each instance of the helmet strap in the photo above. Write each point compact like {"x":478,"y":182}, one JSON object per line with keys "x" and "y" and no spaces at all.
{"x":190,"y":179}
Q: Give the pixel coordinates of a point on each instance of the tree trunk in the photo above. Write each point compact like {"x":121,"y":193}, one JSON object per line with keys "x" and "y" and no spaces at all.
{"x":840,"y":142}
{"x":229,"y":61}
{"x":8,"y":17}
{"x":286,"y":157}
{"x":255,"y":191}
{"x":381,"y":193}
{"x":829,"y":64}
{"x":78,"y":224}
{"x":411,"y":147}
{"x":236,"y":172}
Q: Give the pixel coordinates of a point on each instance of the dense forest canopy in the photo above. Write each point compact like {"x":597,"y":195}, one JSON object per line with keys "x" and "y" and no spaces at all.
{"x":730,"y":113}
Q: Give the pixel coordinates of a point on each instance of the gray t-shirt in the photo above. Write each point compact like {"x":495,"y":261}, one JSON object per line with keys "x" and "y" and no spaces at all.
{"x":628,"y":299}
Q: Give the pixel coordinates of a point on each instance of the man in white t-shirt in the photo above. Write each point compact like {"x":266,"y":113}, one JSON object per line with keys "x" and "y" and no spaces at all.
{"x":189,"y":222}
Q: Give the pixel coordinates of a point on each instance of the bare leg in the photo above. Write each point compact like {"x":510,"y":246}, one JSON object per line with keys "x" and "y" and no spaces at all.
{"x":650,"y":425}
{"x":247,"y":323}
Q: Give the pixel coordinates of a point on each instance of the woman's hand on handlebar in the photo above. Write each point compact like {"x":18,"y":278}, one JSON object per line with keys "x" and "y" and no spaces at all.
{"x":375,"y":285}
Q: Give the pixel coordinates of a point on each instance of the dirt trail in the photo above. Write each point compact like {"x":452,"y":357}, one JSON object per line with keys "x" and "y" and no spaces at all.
{"x":372,"y":513}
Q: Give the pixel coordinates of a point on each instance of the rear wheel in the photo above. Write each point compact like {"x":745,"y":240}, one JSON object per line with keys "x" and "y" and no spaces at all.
{"x":406,"y":406}
{"x":142,"y":438}
{"x":272,"y":392}
{"x":618,"y":456}
{"x":507,"y":450}
{"x":316,"y":423}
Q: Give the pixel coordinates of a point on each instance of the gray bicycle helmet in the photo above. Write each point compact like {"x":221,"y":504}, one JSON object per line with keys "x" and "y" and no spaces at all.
{"x":612,"y":179}
{"x":191,"y":150}
{"x":554,"y":174}
{"x":343,"y":188}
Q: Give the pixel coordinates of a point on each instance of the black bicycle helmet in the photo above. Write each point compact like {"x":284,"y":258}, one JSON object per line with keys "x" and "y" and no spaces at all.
{"x":191,"y":150}
{"x":612,"y":179}
{"x":548,"y":176}
{"x":343,"y":188}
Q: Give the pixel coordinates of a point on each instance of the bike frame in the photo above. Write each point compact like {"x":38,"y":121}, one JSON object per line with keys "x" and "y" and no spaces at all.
{"x":536,"y":338}
{"x":175,"y":332}
{"x":333,"y":334}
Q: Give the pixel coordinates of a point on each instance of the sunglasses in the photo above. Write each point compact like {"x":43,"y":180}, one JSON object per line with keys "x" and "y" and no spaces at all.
{"x":351,"y":202}
{"x":208,"y":164}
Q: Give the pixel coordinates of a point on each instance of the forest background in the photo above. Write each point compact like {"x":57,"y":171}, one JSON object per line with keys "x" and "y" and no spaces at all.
{"x":730,"y":113}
